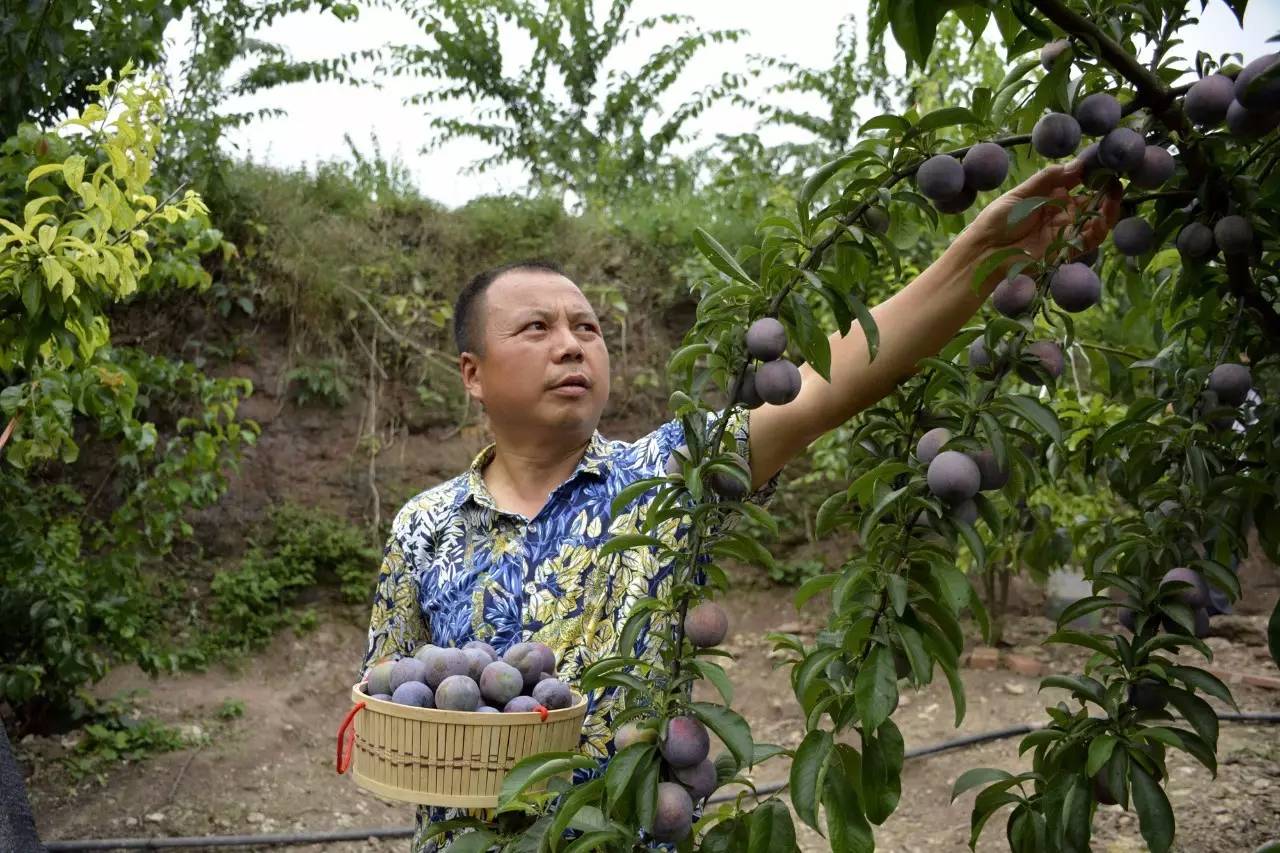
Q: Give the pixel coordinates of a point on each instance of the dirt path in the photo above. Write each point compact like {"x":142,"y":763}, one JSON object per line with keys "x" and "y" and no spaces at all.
{"x":271,"y":770}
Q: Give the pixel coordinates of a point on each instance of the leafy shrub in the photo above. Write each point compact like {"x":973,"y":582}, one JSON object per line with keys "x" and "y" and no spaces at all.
{"x":322,"y":380}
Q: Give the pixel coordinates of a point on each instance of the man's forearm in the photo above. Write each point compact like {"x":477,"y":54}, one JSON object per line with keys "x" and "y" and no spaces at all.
{"x":915,"y":323}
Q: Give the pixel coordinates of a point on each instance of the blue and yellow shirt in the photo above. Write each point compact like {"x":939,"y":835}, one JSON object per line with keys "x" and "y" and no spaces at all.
{"x":457,"y":568}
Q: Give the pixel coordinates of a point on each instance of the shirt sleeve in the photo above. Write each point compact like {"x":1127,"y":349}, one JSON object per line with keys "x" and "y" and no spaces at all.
{"x":397,"y":625}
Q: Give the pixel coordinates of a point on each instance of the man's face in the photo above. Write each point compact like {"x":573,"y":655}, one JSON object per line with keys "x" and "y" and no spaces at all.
{"x":539,"y":330}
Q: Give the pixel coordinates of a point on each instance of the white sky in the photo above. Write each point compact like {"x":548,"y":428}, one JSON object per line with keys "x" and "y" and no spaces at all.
{"x":320,"y":113}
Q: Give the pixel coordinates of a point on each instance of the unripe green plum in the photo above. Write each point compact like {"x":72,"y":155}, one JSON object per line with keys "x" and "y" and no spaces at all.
{"x":1231,"y":382}
{"x":1049,"y":356}
{"x":876,"y":219}
{"x":1012,"y":297}
{"x":1245,"y":123}
{"x":1157,"y":167}
{"x":1195,"y":242}
{"x":1075,"y":287}
{"x":986,"y":165}
{"x":687,"y":742}
{"x":1207,"y":101}
{"x":633,"y":733}
{"x":672,"y":814}
{"x":1050,"y":53}
{"x":931,"y":442}
{"x":1055,"y":135}
{"x":1122,"y":150}
{"x":380,"y":677}
{"x":940,"y":177}
{"x":1263,"y":96}
{"x":706,"y":625}
{"x":1234,"y":235}
{"x":500,"y":683}
{"x":766,"y":339}
{"x":958,"y":203}
{"x":1133,"y":236}
{"x":778,"y":382}
{"x":1098,"y":113}
{"x":953,"y":477}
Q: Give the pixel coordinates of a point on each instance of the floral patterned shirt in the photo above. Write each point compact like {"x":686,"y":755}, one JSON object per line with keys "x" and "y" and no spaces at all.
{"x":456,"y":568}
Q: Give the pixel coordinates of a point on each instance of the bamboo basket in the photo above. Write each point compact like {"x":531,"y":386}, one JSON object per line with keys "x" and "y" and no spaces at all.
{"x":447,"y":758}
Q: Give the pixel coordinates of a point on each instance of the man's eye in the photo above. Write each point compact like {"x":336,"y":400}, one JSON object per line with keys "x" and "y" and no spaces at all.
{"x":536,"y":323}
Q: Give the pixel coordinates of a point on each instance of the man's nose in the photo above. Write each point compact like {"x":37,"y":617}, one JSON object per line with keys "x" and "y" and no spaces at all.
{"x":567,"y":344}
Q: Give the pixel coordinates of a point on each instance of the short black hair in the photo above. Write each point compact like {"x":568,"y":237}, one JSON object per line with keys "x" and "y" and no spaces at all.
{"x":468,"y":325}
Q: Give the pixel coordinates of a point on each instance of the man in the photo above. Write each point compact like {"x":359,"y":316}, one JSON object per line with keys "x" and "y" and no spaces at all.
{"x":506,"y":551}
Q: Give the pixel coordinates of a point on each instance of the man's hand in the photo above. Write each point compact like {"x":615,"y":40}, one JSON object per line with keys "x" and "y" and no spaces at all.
{"x":917,"y":321}
{"x":990,"y":231}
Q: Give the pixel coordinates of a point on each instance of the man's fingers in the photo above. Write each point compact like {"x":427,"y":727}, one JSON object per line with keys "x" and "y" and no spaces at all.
{"x":1051,"y":178}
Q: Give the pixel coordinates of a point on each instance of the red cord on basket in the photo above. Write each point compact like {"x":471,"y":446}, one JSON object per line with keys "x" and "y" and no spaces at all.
{"x":351,"y":737}
{"x":542,"y":710}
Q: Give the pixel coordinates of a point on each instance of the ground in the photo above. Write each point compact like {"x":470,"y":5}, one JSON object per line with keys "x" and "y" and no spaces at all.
{"x":272,"y":769}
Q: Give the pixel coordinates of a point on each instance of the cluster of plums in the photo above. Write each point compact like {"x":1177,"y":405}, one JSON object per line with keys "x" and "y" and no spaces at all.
{"x":956,"y":477}
{"x":953,"y":183}
{"x":473,"y":678}
{"x":776,"y":380}
{"x":689,"y":772}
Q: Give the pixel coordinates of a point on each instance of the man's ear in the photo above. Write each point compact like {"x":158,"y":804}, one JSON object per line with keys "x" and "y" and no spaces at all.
{"x":469,"y":367}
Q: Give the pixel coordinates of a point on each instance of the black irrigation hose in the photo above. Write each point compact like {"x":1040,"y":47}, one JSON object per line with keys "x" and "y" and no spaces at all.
{"x":288,"y":839}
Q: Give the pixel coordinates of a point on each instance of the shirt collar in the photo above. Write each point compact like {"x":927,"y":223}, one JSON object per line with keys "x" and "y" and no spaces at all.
{"x":594,"y":461}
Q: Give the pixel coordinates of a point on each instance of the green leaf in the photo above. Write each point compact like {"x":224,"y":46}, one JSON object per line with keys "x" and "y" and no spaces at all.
{"x":819,"y":178}
{"x":977,"y":776}
{"x":715,"y":673}
{"x":627,"y":541}
{"x":1099,"y":752}
{"x":475,"y":841}
{"x":771,"y":828}
{"x":876,"y":689}
{"x":1155,"y":817}
{"x":729,"y":726}
{"x":882,"y":756}
{"x":1197,"y":712}
{"x":535,"y":768}
{"x":624,"y":767}
{"x":896,"y":125}
{"x":1205,"y":682}
{"x":915,"y":24}
{"x":945,"y":117}
{"x":719,"y":256}
{"x":807,"y":772}
{"x":847,"y":824}
{"x":1037,"y":414}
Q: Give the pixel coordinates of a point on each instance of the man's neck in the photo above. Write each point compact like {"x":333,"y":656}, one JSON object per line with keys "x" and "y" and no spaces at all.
{"x":523,"y":473}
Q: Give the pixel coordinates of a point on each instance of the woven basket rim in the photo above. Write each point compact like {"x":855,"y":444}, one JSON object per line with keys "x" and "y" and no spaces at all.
{"x":468,"y":718}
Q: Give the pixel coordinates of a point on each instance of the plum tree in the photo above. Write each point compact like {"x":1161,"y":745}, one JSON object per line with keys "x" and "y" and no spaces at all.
{"x":1234,"y":235}
{"x":1264,"y":96}
{"x":953,"y":477}
{"x":940,"y":177}
{"x":686,"y":742}
{"x":1055,"y":135}
{"x":1122,"y":150}
{"x":1156,"y":169}
{"x":1098,"y":113}
{"x":931,"y":442}
{"x":458,"y":693}
{"x":1206,"y":102}
{"x":1048,"y":355}
{"x":706,"y":625}
{"x":673,"y":813}
{"x":778,"y":382}
{"x":1195,"y":242}
{"x":986,"y":165}
{"x":1075,"y":287}
{"x":413,"y":693}
{"x":500,"y":683}
{"x":1200,"y":624}
{"x":766,"y":339}
{"x":1231,"y":382}
{"x":1013,"y":296}
{"x":1133,"y":236}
